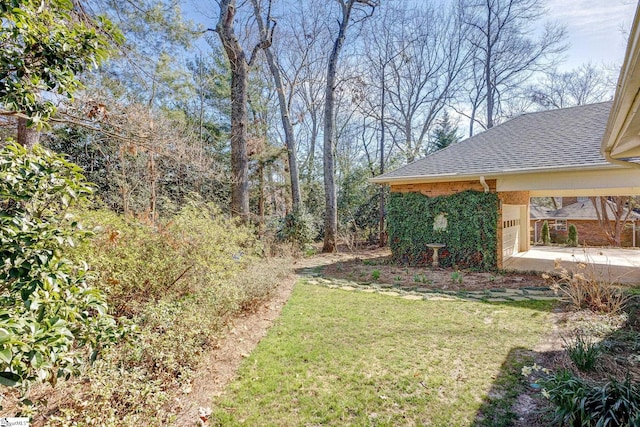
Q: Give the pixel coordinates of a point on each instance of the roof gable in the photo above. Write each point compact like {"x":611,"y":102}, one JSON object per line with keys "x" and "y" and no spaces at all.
{"x":566,"y":138}
{"x":583,"y":210}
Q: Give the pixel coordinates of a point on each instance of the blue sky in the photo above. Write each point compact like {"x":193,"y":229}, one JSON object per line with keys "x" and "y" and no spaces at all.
{"x":597,"y":29}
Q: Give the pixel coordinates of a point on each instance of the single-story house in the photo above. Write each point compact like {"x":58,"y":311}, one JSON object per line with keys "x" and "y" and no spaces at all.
{"x":580,"y":212}
{"x":590,"y":150}
{"x":540,"y":154}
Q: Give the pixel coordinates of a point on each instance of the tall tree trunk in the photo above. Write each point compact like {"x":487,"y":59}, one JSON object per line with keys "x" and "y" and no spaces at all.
{"x":239,"y":156}
{"x":312,"y":148}
{"x":261,"y":198}
{"x":289,"y":137}
{"x":239,"y":77}
{"x":381,"y":236}
{"x":487,"y":73}
{"x":27,"y":137}
{"x":330,"y":199}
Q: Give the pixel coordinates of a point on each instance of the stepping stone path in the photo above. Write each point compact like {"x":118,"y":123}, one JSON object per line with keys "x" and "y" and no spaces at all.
{"x":313,"y":276}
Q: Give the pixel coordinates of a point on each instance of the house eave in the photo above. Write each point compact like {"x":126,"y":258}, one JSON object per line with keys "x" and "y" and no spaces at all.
{"x":621,"y":140}
{"x":420,"y":179}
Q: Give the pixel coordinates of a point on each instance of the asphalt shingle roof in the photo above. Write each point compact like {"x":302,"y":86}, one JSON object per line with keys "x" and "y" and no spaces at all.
{"x":554,"y":139}
{"x":583,"y":210}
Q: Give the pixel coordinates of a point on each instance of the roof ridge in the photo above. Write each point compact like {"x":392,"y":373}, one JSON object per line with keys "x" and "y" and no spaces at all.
{"x":531,"y":113}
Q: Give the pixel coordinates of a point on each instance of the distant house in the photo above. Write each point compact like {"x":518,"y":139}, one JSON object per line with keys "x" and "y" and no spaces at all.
{"x":580,"y":212}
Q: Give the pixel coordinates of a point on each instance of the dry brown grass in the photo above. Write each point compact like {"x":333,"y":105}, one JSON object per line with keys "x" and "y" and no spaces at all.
{"x":588,"y":287}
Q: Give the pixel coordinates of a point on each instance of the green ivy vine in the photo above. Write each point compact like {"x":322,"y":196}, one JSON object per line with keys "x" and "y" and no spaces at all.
{"x":470,"y":235}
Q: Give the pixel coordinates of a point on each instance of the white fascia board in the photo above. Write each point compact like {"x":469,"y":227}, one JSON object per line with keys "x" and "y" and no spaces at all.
{"x":621,"y":136}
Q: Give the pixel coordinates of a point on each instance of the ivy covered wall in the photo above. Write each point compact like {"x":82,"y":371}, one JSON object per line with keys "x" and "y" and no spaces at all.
{"x":465,"y":222}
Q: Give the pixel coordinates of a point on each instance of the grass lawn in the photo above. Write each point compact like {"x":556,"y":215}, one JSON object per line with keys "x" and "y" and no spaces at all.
{"x":353,"y":358}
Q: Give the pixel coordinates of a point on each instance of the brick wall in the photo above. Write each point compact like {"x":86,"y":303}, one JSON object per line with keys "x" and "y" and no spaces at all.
{"x":443,"y":188}
{"x":452,"y":187}
{"x":514,"y":197}
{"x":589,"y":233}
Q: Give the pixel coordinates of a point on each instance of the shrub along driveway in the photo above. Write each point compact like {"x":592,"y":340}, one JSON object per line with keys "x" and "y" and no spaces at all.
{"x":356,"y":358}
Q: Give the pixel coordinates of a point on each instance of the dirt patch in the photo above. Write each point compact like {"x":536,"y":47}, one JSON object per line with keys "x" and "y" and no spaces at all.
{"x":375,"y":266}
{"x":222,"y":362}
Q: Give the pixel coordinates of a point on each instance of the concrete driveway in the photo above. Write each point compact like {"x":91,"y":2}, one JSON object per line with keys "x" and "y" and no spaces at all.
{"x":619,"y":265}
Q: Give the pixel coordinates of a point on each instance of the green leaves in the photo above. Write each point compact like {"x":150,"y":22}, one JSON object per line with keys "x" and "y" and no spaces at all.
{"x":44,"y":46}
{"x":49,"y":316}
{"x":470,"y":234}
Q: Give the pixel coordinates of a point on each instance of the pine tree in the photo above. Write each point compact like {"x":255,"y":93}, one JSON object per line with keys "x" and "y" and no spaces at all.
{"x":445,"y":134}
{"x":546,"y":235}
{"x":572,"y":239}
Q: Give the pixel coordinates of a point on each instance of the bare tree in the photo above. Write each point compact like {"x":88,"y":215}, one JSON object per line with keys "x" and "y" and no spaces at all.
{"x":583,"y":85}
{"x":613,"y":213}
{"x":426,"y":75}
{"x":267,"y":26}
{"x":504,"y":53}
{"x":331,"y":208}
{"x":240,"y":66}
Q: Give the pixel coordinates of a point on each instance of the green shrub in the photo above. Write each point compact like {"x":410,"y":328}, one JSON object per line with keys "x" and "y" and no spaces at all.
{"x":136,"y":262}
{"x":457,"y":277}
{"x":546,"y":235}
{"x":572,"y":237}
{"x":582,"y":403}
{"x":584,"y":352}
{"x":375,"y":274}
{"x":50,"y":319}
{"x":297,"y":227}
{"x":470,"y":235}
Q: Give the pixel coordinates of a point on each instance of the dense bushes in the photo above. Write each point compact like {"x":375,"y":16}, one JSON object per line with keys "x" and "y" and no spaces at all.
{"x":572,"y":238}
{"x":137,"y":262}
{"x":49,"y":317}
{"x":465,"y":222}
{"x":180,"y":283}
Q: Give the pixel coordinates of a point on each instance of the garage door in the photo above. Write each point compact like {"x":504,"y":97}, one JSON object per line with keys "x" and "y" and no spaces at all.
{"x":510,"y":230}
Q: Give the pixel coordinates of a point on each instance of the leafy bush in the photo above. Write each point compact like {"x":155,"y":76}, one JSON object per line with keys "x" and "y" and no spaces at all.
{"x":179,"y":316}
{"x":546,"y":235}
{"x":582,"y":403}
{"x":375,"y":274}
{"x":138,"y":262}
{"x":588,"y":288}
{"x":572,"y":236}
{"x":584,"y":352}
{"x":470,"y":234}
{"x":49,"y":317}
{"x":297,"y":227}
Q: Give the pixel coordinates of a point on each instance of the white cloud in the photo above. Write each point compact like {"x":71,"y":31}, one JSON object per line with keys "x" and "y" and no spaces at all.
{"x":596,"y":28}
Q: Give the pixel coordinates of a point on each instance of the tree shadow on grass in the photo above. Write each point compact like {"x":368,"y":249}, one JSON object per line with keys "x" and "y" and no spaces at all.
{"x":513,"y":401}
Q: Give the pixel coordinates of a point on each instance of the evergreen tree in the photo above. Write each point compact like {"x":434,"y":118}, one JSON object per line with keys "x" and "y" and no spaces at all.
{"x":546,"y":234}
{"x":445,"y":134}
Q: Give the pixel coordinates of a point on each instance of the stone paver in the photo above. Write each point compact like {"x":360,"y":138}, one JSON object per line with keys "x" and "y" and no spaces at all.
{"x":390,"y":293}
{"x":419,"y":293}
{"x":413,"y":297}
